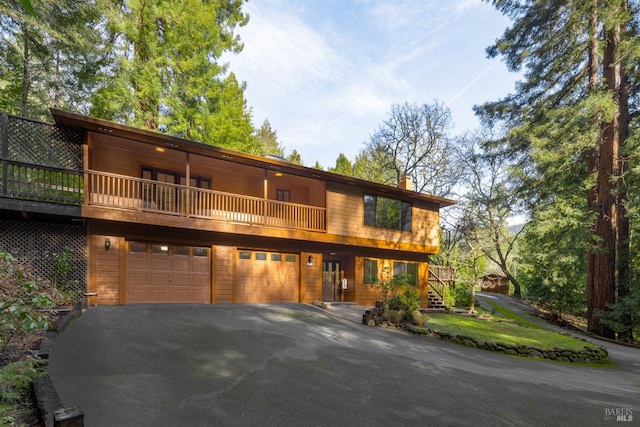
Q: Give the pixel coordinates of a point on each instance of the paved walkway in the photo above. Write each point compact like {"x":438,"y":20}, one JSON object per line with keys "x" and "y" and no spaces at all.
{"x":349,"y":312}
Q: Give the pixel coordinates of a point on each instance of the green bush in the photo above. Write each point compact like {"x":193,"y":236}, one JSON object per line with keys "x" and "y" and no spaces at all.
{"x":399,"y":294}
{"x":462,"y":296}
{"x":449,"y":296}
{"x":25,"y":302}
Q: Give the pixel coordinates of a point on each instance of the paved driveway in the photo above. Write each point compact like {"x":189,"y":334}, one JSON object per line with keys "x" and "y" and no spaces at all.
{"x":296,"y":365}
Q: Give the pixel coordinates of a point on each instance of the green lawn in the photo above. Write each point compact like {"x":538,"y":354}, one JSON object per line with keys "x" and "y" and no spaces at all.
{"x":513,"y":316}
{"x":500,"y":331}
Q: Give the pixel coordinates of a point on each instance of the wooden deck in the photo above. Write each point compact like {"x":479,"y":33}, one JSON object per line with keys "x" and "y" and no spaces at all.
{"x":137,"y":194}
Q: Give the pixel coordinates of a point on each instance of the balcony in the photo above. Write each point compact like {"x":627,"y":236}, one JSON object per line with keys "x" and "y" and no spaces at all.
{"x":26,"y":181}
{"x":143,"y":195}
{"x":41,"y":169}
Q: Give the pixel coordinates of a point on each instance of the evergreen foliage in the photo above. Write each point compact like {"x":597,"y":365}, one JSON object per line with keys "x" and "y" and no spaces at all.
{"x":569,"y":122}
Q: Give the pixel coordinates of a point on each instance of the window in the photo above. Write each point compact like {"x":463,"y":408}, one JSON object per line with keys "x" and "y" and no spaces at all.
{"x":276,"y":257}
{"x":283,"y":195}
{"x":136,"y":247}
{"x":370,"y":271}
{"x":291,"y":258}
{"x":160,"y":249}
{"x":175,"y":178}
{"x":245,"y":255}
{"x":383,"y":212}
{"x":201,"y":252}
{"x":410,"y":268}
{"x":181,"y":250}
{"x":261,"y":256}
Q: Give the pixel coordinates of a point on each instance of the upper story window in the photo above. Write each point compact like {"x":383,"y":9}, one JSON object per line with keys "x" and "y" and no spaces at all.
{"x":175,"y":178}
{"x":283,"y":195}
{"x":383,"y":212}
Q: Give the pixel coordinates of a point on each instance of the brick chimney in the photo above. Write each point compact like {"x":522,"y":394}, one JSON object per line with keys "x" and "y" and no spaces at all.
{"x":406,"y":183}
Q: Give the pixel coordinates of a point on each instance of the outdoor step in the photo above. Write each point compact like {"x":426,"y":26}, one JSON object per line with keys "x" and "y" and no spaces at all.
{"x":338,"y":303}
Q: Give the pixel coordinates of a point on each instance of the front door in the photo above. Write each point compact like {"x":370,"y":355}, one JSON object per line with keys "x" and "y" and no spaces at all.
{"x":331,"y":277}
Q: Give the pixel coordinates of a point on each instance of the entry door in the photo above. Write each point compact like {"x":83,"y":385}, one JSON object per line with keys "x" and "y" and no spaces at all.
{"x":166,"y":196}
{"x":331,"y":280}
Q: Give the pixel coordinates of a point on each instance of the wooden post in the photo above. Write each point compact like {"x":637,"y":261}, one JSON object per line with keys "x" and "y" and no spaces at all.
{"x":4,"y":141}
{"x":68,"y":417}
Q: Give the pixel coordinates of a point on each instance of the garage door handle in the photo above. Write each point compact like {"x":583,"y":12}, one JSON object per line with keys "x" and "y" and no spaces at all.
{"x":170,"y":280}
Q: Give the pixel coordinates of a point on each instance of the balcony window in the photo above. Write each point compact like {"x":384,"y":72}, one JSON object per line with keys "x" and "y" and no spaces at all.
{"x":384,"y":212}
{"x":283,"y":195}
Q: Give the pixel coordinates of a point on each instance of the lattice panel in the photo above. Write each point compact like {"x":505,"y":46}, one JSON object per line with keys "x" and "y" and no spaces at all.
{"x":40,"y":243}
{"x":41,"y":143}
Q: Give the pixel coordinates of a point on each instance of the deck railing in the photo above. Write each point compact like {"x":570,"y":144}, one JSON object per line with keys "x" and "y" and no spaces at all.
{"x":441,"y":277}
{"x":41,"y":183}
{"x":123,"y":192}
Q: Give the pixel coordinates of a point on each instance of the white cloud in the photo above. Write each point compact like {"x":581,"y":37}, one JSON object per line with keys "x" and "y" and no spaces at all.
{"x":283,"y":54}
{"x":326,"y":74}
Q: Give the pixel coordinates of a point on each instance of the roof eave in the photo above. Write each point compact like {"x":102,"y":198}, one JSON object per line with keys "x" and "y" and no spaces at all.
{"x":92,"y":124}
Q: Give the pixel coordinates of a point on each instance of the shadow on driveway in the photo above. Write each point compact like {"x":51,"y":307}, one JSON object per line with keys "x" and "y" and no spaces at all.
{"x":292,"y":364}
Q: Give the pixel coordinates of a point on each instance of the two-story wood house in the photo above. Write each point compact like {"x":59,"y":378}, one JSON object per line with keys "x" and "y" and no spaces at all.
{"x":172,"y":220}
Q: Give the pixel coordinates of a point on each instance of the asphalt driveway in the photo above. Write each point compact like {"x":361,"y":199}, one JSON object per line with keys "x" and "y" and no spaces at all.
{"x":296,"y":365}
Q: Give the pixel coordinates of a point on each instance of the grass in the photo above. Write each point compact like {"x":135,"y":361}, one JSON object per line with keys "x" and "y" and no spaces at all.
{"x":15,"y":379}
{"x":497,"y":331}
{"x":513,"y":316}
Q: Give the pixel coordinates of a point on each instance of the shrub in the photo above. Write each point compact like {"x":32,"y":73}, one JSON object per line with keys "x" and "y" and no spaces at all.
{"x":399,"y":294}
{"x":61,"y":269}
{"x":419,"y":318}
{"x":25,"y":302}
{"x":463,"y":296}
{"x":449,"y":296}
{"x":394,"y":316}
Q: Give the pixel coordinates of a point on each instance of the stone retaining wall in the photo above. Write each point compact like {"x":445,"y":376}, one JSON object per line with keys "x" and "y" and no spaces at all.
{"x":588,"y":354}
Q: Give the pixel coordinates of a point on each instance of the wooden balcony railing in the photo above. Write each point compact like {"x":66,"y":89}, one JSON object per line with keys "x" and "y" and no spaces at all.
{"x":123,"y":192}
{"x":41,"y":183}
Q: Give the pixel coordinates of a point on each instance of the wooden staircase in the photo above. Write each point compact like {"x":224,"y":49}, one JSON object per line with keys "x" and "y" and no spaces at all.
{"x":435,"y":301}
{"x":440,"y":279}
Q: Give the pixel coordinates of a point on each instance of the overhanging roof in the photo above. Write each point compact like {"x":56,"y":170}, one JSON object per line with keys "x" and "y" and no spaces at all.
{"x":68,"y":119}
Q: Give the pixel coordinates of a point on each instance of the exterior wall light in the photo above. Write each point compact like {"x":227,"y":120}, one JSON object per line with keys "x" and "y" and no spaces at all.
{"x":310,"y":260}
{"x":107,"y":244}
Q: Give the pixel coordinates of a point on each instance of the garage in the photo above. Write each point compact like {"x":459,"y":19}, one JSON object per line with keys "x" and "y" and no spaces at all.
{"x":163,"y":273}
{"x":267,"y":277}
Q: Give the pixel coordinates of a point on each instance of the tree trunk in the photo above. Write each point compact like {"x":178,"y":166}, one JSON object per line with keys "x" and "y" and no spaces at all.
{"x":517,"y":290}
{"x":592,"y":160}
{"x":623,"y":219}
{"x":605,"y":252}
{"x":25,"y":73}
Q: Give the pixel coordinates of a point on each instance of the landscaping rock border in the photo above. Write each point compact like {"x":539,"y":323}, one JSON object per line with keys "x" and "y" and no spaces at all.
{"x":588,"y":354}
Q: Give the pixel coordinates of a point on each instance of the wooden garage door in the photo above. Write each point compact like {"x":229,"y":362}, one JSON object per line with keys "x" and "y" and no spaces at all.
{"x":267,"y":277}
{"x":159,"y":273}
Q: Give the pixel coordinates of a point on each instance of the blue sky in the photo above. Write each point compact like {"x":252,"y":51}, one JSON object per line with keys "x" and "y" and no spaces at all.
{"x":325,"y":73}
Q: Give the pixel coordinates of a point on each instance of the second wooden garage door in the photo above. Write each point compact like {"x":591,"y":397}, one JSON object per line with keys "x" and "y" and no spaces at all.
{"x":158,"y":273}
{"x":267,"y":277}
